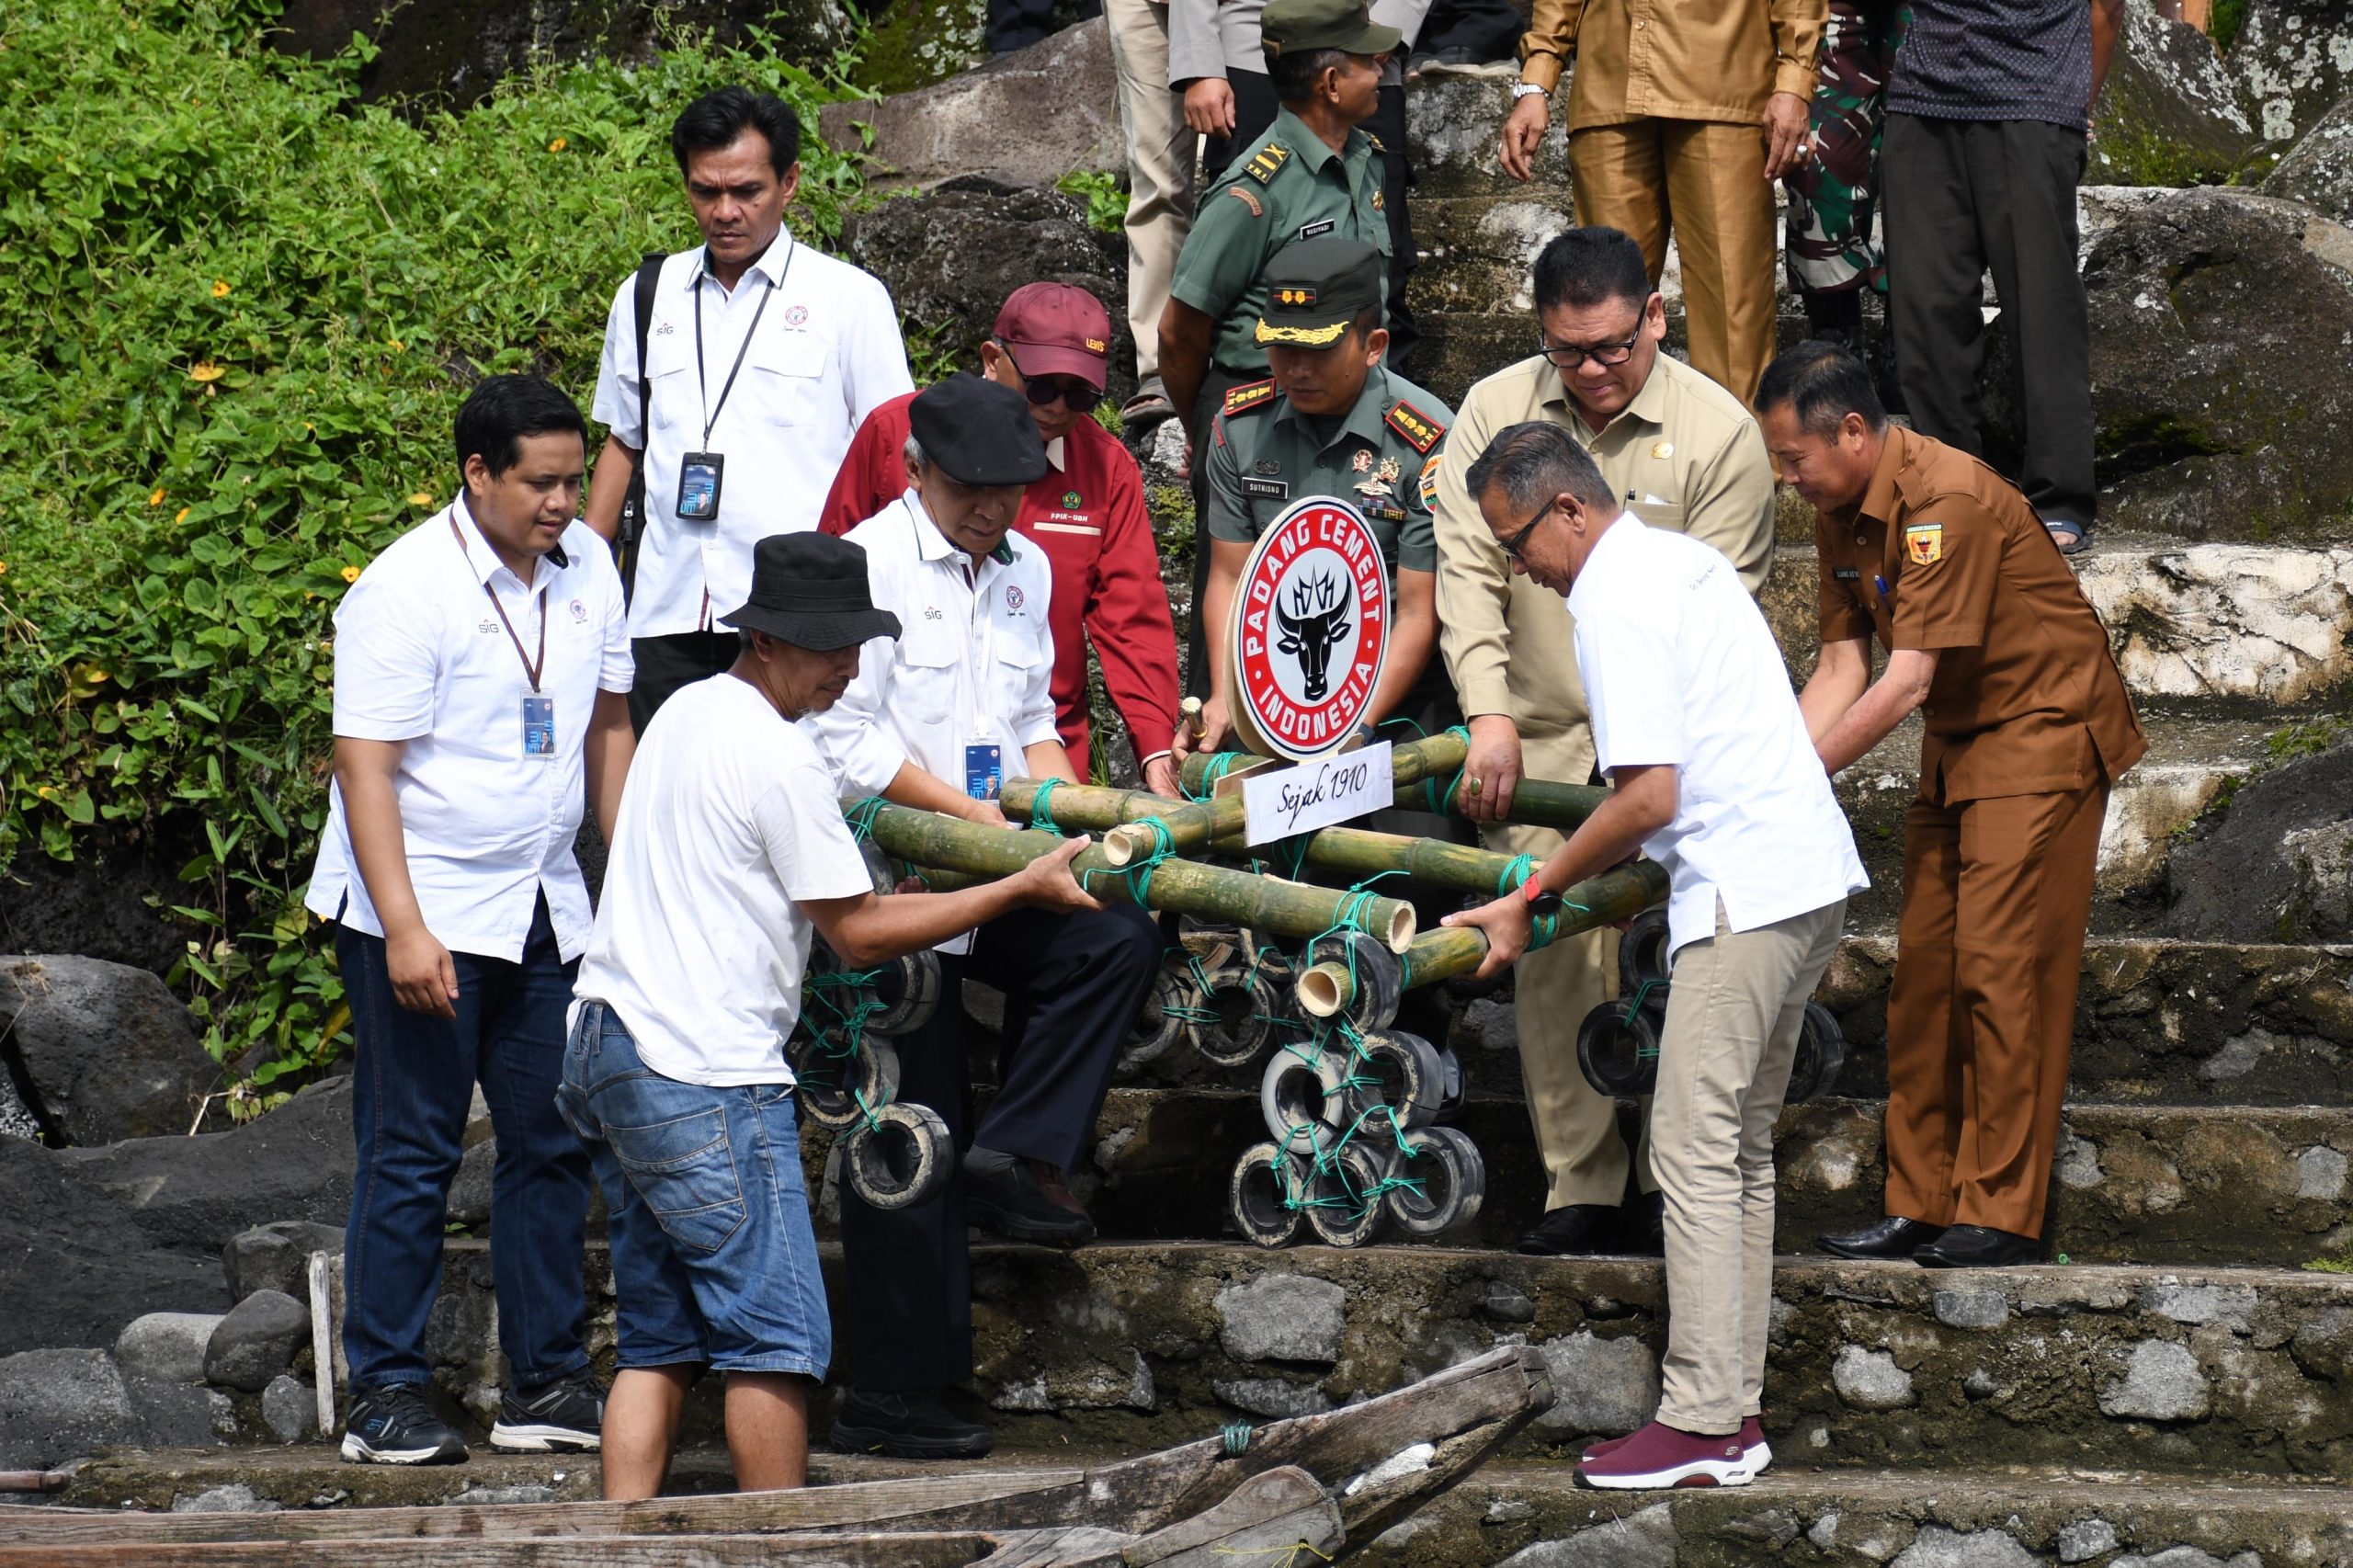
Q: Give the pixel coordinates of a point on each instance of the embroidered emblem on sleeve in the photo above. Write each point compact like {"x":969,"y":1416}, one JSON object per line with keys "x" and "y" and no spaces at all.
{"x":1924,"y":543}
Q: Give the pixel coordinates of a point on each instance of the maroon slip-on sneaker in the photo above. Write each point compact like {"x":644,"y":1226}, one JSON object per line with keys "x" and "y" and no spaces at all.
{"x":1659,"y":1457}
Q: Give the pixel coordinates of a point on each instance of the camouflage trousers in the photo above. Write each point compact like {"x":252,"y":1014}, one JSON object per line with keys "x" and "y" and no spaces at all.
{"x":1832,"y":196}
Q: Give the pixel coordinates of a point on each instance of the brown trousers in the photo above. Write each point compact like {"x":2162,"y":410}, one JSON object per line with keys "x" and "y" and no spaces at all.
{"x":1982,"y":1014}
{"x":1705,"y":184}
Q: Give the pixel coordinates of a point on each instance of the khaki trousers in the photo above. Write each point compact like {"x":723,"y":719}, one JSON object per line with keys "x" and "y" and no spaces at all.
{"x":1705,"y":184}
{"x":1733,"y":1016}
{"x":1161,"y":148}
{"x":1554,"y":988}
{"x":1981,"y":1016}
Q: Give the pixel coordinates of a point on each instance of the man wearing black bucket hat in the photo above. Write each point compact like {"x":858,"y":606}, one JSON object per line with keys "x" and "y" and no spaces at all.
{"x":676,"y":1073}
{"x":939,"y":720}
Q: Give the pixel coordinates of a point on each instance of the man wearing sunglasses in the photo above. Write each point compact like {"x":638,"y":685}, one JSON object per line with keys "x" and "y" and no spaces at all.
{"x":1085,"y":512}
{"x":1677,"y":452}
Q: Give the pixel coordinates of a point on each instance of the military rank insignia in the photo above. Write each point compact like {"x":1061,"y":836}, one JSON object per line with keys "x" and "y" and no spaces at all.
{"x":1267,"y":162}
{"x":1417,"y":428}
{"x":1924,"y":543}
{"x":1249,"y":396}
{"x":1294,"y":294}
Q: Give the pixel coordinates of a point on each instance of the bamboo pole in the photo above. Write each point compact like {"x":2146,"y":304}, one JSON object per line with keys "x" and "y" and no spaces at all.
{"x":1535,"y":803}
{"x":1187,"y":887}
{"x":1428,"y":757}
{"x":1327,"y":989}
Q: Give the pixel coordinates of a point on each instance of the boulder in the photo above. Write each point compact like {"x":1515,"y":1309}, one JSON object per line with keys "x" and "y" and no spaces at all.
{"x":256,"y":1341}
{"x":106,"y":902}
{"x":105,"y":1050}
{"x":1026,"y":120}
{"x":2293,"y":60}
{"x":60,"y":1405}
{"x":289,"y":1409}
{"x":277,"y":1257}
{"x":2171,"y":113}
{"x":2219,"y":322}
{"x":179,"y":1415}
{"x":950,"y":255}
{"x":2276,"y":865}
{"x":166,"y":1346}
{"x":2319,"y":170}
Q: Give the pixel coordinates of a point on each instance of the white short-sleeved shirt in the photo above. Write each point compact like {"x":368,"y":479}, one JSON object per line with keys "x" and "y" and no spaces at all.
{"x":973,"y":661}
{"x":826,"y":351}
{"x":730,"y":820}
{"x":1680,"y":669}
{"x":422,"y":657}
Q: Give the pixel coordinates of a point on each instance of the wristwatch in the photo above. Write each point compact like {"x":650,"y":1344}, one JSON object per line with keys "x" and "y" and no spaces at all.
{"x":1538,"y":901}
{"x":1522,"y":89}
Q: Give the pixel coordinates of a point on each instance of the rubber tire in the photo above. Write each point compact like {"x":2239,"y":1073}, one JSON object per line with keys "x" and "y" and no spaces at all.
{"x":1821,"y":1053}
{"x":1454,"y":1177}
{"x":1380,"y":979}
{"x":1250,"y":994}
{"x":1618,"y":1046}
{"x":867,"y":1164}
{"x":1282,"y":1102}
{"x":1158,"y":1024}
{"x":1643,"y":954}
{"x":1411,"y":1079}
{"x":1353,"y":1173}
{"x":1262,"y":1177}
{"x":827,"y":1102}
{"x":908,"y":988}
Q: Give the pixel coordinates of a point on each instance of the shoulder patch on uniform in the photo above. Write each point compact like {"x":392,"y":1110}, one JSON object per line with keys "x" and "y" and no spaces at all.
{"x":1924,"y":543}
{"x":1417,"y":428}
{"x":1267,"y":162}
{"x":1376,"y":143}
{"x":1242,"y":193}
{"x":1254,"y":394}
{"x":1430,"y":483}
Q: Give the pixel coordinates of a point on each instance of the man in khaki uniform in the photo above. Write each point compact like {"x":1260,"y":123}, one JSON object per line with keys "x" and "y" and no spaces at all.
{"x":1684,"y":455}
{"x":2029,"y":727}
{"x":1681,"y":116}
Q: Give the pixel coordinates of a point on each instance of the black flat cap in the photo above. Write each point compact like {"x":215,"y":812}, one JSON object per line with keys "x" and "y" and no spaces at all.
{"x":978,"y":432}
{"x":811,"y":590}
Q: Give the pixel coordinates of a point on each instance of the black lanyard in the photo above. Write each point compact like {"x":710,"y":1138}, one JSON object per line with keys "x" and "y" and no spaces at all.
{"x":702,"y":378}
{"x":531,"y":667}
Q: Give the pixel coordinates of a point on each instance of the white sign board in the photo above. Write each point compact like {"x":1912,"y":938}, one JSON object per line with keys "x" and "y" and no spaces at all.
{"x":1336,"y":789}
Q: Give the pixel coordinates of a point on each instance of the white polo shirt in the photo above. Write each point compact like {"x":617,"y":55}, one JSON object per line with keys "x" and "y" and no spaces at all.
{"x":729,"y":821}
{"x":1680,"y":668}
{"x":824,"y":352}
{"x":422,"y":657}
{"x":973,"y":660}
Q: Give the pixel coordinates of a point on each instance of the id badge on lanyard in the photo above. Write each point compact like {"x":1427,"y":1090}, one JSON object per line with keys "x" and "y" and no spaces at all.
{"x":983,"y":771}
{"x":539,"y":728}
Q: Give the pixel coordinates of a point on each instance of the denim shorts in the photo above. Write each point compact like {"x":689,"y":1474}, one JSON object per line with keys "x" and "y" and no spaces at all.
{"x":713,"y":1257}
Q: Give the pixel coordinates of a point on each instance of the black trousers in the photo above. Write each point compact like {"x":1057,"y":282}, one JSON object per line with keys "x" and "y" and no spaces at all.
{"x":665,"y":663}
{"x":1072,"y":983}
{"x":1255,"y":107}
{"x":1489,"y":28}
{"x":1962,"y":197}
{"x":1018,"y":24}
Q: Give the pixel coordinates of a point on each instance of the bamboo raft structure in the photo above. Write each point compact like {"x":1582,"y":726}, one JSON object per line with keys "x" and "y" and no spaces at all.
{"x":1314,"y":1488}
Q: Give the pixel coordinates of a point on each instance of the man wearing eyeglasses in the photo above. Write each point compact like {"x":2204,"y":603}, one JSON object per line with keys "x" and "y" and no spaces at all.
{"x":1087,"y":512}
{"x":1679,"y":452}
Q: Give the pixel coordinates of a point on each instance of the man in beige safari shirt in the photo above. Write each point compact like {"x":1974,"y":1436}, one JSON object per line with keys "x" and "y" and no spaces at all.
{"x":1681,"y":453}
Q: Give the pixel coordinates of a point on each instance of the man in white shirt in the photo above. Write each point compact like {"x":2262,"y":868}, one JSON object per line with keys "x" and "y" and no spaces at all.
{"x":762,"y":354}
{"x":482,"y":670}
{"x":939,"y":720}
{"x":676,"y":1075}
{"x":1716,"y":779}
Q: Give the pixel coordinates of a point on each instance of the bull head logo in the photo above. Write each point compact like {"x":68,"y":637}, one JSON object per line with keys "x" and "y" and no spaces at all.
{"x":1312,"y":626}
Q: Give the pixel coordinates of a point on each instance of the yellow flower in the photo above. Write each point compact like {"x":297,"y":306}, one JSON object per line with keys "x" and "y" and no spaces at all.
{"x":220,"y":288}
{"x":182,"y":516}
{"x":206,"y":371}
{"x":420,"y":498}
{"x":157,"y":498}
{"x":47,"y":791}
{"x":3,"y":569}
{"x":397,"y":346}
{"x":556,"y":145}
{"x":309,"y":428}
{"x":351,"y":573}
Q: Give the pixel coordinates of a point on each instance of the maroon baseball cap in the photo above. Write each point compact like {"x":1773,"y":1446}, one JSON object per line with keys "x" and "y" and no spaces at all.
{"x":1056,"y":329}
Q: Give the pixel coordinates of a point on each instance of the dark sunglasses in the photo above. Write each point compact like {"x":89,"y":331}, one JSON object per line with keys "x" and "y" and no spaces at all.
{"x":1512,"y":545}
{"x":1076,"y":395}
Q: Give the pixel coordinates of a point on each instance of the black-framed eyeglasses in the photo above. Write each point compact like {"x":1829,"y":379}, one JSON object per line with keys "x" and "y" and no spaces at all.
{"x":1569,"y":356}
{"x":1512,"y":545}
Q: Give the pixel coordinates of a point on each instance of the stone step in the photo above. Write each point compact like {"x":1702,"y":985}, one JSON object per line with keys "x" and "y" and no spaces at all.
{"x":2133,"y":1184}
{"x":1528,"y":1513}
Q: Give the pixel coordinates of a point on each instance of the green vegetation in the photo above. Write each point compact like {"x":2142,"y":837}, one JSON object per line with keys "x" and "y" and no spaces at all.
{"x":1105,"y":194}
{"x":241,"y":310}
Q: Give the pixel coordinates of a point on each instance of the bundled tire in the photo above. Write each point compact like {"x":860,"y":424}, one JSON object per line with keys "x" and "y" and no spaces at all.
{"x":1618,"y":1045}
{"x":1160,"y":1022}
{"x":1346,"y":1205}
{"x":1379,"y":978}
{"x":1821,"y":1053}
{"x":1265,"y":1195}
{"x":1437,"y":1181}
{"x":1302,"y":1095}
{"x":1642,"y":951}
{"x":1402,"y":1072}
{"x":832,"y":1083}
{"x":1248,"y":1008}
{"x":900,"y":1157}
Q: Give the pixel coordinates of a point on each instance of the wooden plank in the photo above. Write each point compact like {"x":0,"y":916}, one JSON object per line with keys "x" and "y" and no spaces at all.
{"x":910,"y":1550}
{"x":1278,"y":1510}
{"x":1083,"y":1546}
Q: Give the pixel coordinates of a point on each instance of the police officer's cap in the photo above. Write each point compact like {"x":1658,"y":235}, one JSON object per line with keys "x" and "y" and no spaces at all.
{"x":1345,"y":24}
{"x":1315,"y":287}
{"x":978,"y":432}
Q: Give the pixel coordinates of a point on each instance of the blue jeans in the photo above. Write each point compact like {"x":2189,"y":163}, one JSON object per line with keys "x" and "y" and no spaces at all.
{"x":713,"y":1257}
{"x":411,"y":1089}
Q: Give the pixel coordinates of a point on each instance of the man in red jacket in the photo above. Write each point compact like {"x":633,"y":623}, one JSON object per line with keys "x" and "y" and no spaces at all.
{"x":1052,"y":344}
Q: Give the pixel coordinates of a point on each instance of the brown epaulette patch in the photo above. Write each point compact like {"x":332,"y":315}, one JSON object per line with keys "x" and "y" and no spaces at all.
{"x":1267,"y":162}
{"x":1253,"y":394}
{"x":1417,"y":428}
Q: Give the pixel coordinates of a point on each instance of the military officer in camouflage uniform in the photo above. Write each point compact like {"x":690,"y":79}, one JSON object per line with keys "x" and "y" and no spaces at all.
{"x":1316,"y":174}
{"x":1831,"y":255}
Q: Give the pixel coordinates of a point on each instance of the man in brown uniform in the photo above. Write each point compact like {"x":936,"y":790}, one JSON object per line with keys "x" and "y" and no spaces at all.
{"x":2029,"y":727}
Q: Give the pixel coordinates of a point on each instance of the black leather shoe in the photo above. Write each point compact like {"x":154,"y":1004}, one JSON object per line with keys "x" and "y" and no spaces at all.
{"x":1015,"y":1201}
{"x":1580,"y":1230}
{"x":1979,"y":1247}
{"x":1892,"y":1237}
{"x":907,"y":1427}
{"x":1643,"y":1226}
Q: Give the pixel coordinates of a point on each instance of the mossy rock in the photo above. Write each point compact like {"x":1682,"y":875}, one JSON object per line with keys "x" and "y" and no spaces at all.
{"x":917,"y":42}
{"x":2171,"y":114}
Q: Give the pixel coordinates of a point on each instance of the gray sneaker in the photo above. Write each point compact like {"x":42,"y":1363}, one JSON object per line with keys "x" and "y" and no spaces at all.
{"x":566,"y":1417}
